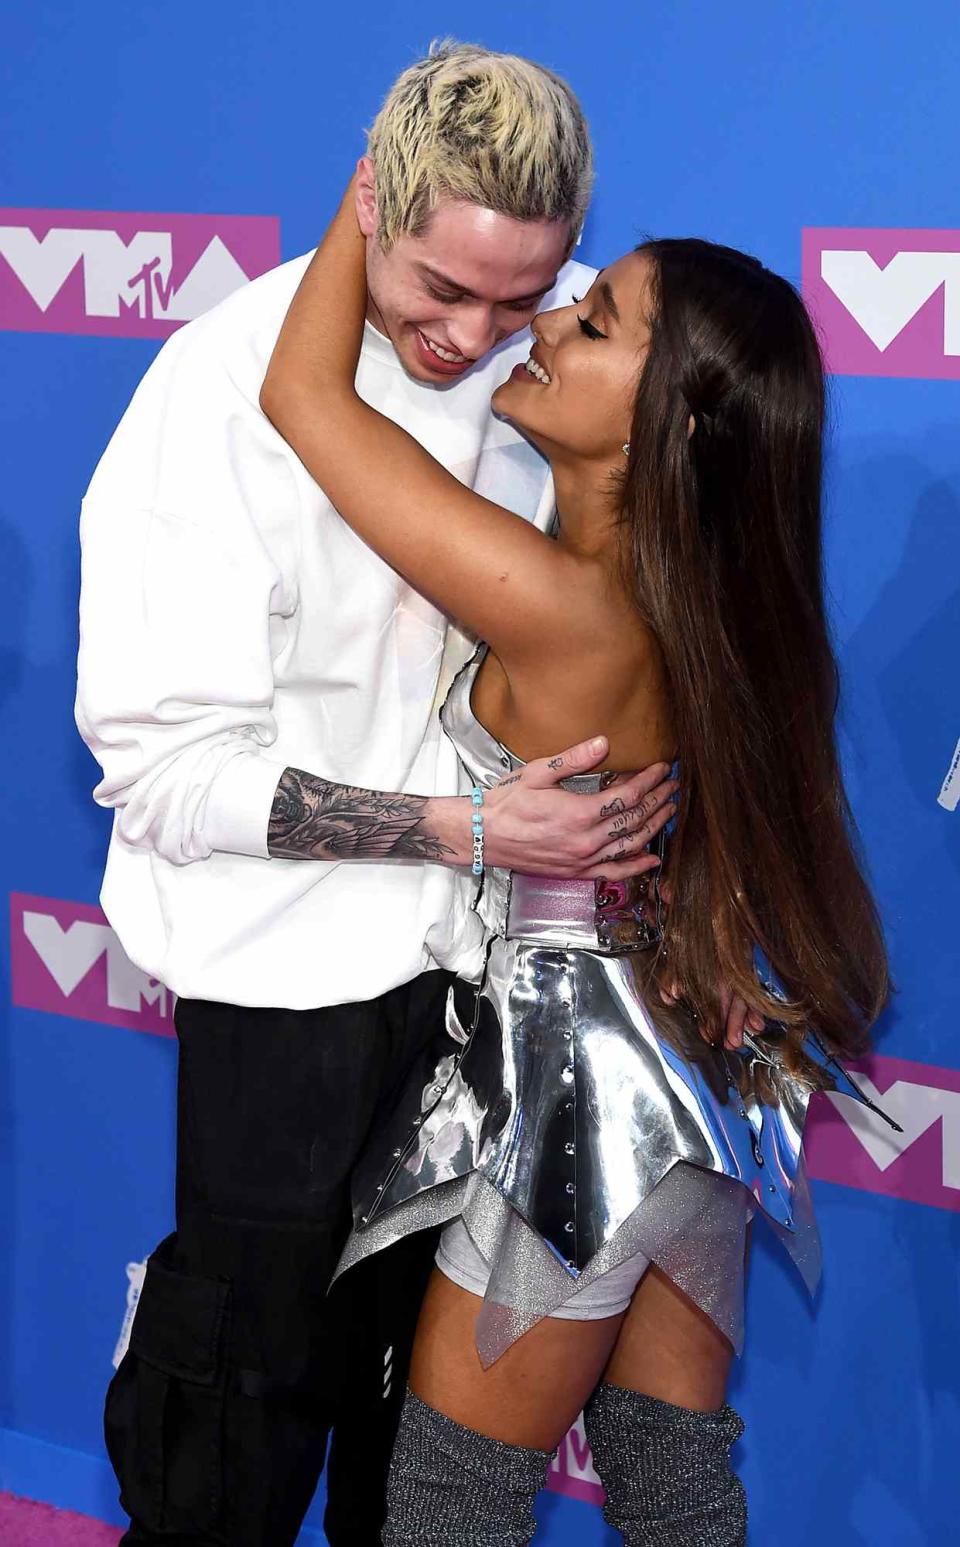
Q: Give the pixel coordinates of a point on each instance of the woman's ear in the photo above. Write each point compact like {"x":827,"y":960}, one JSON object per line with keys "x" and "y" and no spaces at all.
{"x":367,"y":217}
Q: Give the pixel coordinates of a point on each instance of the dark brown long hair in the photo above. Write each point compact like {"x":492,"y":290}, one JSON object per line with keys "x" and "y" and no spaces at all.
{"x":725,"y":533}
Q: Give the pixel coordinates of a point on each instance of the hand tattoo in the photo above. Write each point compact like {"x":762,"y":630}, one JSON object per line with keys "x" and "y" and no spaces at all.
{"x":616,"y":805}
{"x":555,"y":762}
{"x":315,"y":819}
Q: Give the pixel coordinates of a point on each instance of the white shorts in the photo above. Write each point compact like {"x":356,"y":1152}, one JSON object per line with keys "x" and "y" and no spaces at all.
{"x":459,"y":1259}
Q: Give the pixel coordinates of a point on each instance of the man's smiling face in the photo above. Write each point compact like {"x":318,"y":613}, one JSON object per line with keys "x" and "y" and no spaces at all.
{"x":447,"y":297}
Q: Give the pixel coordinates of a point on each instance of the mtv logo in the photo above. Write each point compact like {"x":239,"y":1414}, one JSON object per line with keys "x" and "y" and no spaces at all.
{"x":571,"y":1470}
{"x":885,"y":302}
{"x":847,"y":1143}
{"x":130,"y":276}
{"x":67,"y":960}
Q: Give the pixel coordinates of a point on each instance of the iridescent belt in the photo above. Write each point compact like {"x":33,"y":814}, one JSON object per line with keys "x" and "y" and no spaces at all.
{"x":608,"y":917}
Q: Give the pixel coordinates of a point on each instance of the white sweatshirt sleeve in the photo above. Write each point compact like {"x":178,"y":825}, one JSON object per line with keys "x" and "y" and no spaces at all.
{"x":185,"y":598}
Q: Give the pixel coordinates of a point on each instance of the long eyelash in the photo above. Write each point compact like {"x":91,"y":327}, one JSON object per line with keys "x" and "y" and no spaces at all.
{"x":589,"y":329}
{"x":585,"y":326}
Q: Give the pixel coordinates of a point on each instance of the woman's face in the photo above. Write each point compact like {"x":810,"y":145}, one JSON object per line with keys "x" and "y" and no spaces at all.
{"x":576,"y":392}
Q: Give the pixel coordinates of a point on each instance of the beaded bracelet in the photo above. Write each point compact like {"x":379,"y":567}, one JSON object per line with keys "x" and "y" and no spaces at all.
{"x":477,"y":822}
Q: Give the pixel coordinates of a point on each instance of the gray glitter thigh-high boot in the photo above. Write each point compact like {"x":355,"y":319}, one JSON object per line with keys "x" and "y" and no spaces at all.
{"x":666,"y":1470}
{"x":451,"y":1485}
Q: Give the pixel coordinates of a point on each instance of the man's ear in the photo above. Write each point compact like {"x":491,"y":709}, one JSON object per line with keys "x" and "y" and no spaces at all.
{"x":367,"y":217}
{"x":575,"y":236}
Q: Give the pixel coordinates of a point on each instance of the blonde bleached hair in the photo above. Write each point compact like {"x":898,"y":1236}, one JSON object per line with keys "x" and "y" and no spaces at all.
{"x":490,"y":129}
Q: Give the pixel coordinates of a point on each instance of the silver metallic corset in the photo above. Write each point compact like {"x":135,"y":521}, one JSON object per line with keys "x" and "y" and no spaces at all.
{"x":553,"y":1118}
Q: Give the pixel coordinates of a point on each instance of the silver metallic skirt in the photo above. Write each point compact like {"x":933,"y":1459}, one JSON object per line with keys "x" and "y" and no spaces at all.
{"x":568,"y":1135}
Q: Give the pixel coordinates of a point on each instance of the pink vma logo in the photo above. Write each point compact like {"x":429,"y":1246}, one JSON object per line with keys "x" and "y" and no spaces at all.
{"x":67,"y":960}
{"x":847,"y":1143}
{"x":571,"y":1470}
{"x":886,"y":302}
{"x":124,"y":276}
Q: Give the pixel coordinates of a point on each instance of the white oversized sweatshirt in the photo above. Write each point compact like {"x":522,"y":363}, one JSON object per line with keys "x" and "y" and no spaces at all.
{"x":232,"y":625}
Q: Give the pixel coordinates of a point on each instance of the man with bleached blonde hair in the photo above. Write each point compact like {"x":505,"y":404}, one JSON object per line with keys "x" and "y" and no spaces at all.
{"x":291,"y":850}
{"x":472,"y":193}
{"x":492,"y":129}
{"x":474,"y":190}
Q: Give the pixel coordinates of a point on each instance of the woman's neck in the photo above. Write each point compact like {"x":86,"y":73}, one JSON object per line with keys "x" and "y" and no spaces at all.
{"x":588,"y":510}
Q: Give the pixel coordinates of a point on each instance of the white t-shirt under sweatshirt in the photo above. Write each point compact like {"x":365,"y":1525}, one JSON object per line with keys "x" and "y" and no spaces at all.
{"x":232,"y":625}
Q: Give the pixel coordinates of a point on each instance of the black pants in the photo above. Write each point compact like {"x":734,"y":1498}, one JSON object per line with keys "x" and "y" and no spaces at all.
{"x":241,"y":1365}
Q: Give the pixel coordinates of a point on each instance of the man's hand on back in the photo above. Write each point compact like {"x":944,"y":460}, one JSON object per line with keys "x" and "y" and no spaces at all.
{"x":532,"y":825}
{"x":529,"y":823}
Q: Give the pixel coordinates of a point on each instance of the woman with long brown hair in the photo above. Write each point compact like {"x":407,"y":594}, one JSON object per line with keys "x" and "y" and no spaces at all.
{"x":594,"y":1151}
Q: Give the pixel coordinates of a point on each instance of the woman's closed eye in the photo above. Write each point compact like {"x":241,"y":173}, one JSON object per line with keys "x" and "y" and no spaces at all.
{"x":586,"y":326}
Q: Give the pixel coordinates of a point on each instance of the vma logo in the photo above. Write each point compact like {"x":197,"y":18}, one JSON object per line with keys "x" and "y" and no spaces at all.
{"x":571,"y":1470}
{"x":67,"y":960}
{"x":127,"y":276}
{"x":886,"y":302}
{"x":847,"y":1143}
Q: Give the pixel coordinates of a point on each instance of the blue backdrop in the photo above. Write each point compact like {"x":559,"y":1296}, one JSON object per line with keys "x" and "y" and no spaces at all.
{"x":743,"y":124}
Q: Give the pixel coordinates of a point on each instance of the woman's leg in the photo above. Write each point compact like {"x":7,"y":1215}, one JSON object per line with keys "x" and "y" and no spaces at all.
{"x":659,"y":1428}
{"x":474,"y":1444}
{"x":668,"y":1348}
{"x":535,"y":1390}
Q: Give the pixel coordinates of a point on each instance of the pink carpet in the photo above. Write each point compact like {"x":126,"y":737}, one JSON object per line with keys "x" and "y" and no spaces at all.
{"x":26,"y":1524}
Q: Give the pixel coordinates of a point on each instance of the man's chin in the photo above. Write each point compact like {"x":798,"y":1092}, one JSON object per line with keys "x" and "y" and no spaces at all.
{"x":410,"y":360}
{"x":424,"y":373}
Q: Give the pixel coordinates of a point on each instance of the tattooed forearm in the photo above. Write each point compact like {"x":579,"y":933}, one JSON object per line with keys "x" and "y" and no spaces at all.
{"x":312,"y":818}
